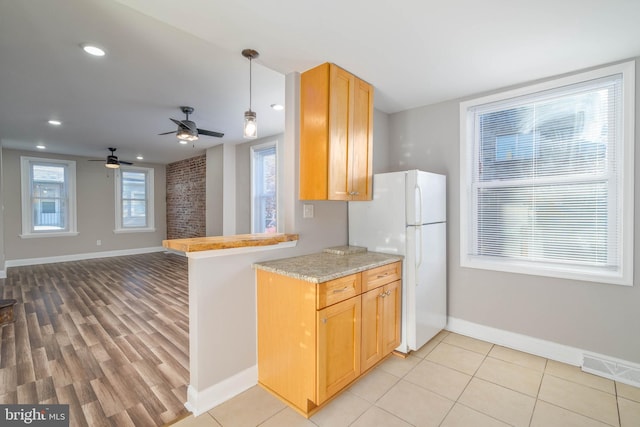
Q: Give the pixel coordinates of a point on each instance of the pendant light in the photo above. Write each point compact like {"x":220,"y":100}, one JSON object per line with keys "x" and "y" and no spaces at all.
{"x":250,"y":125}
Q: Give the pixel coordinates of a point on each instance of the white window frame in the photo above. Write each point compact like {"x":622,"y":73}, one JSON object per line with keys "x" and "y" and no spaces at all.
{"x":70,"y":190}
{"x":150,"y":227}
{"x":253,"y":149}
{"x":625,"y":209}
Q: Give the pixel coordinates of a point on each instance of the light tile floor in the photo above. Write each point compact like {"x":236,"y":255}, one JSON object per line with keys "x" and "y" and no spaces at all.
{"x":452,"y":381}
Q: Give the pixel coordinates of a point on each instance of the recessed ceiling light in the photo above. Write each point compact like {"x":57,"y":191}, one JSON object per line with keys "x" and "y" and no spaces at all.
{"x":140,"y":158}
{"x":55,"y":122}
{"x":41,"y":146}
{"x":277,"y":107}
{"x":93,"y":50}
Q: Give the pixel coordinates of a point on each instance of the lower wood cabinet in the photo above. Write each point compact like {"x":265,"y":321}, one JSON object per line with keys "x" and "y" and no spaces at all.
{"x":316,"y":339}
{"x":338,"y":347}
{"x":381,"y":311}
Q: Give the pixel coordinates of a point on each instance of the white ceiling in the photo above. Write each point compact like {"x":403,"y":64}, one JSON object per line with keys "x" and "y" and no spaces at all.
{"x":163,"y":53}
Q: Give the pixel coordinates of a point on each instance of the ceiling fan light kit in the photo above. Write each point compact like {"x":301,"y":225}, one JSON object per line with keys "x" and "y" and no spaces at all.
{"x":187,"y":134}
{"x":250,"y":123}
{"x":187,"y":130}
{"x":112,"y":161}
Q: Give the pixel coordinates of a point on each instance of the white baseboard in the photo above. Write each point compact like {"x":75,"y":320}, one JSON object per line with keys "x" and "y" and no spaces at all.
{"x":80,"y":257}
{"x":200,"y":402}
{"x":543,"y":348}
{"x":597,"y":364}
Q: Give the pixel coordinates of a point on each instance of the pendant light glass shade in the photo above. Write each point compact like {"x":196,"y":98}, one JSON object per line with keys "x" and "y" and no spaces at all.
{"x":250,"y":125}
{"x":250,"y":122}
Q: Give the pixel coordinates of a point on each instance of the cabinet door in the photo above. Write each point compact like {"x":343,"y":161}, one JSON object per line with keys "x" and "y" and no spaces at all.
{"x":381,"y":311}
{"x":372,"y":307}
{"x":341,"y":105}
{"x":338,"y":347}
{"x":361,"y":142}
{"x":392,"y":312}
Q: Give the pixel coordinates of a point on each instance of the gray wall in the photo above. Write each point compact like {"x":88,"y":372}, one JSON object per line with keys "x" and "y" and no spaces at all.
{"x":597,"y":317}
{"x":95,"y":194}
{"x":2,"y":255}
{"x":215,"y":169}
{"x":381,"y":154}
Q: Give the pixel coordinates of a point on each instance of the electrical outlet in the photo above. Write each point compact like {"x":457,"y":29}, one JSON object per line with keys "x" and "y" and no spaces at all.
{"x":307,"y":211}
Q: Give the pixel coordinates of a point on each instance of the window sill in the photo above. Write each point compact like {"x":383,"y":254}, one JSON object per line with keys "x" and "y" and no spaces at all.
{"x":134,"y":230}
{"x":49,"y":234}
{"x":597,"y":275}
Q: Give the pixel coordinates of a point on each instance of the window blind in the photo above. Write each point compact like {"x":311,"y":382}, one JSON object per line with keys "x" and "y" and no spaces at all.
{"x":545,"y":179}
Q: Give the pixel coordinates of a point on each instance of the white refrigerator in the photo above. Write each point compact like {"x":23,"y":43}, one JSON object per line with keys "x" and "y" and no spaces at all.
{"x":407,"y":216}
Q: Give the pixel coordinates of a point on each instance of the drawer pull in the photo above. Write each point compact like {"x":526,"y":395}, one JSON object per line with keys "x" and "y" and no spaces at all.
{"x":382,"y":295}
{"x":380,"y":276}
{"x":337,"y":291}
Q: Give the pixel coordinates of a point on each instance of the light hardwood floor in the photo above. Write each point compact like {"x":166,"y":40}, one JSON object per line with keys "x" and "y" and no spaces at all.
{"x":109,"y":336}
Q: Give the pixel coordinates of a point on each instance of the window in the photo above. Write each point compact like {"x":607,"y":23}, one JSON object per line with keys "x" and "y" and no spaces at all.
{"x":134,"y":199}
{"x":547,"y":178}
{"x":48,"y":197}
{"x":264,"y":188}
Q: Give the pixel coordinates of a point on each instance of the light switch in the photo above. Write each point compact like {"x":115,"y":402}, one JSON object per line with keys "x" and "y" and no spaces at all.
{"x":307,"y":211}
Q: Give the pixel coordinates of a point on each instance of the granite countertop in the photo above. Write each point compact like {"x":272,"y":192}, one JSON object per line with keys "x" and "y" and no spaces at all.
{"x":328,"y":265}
{"x":227,"y":242}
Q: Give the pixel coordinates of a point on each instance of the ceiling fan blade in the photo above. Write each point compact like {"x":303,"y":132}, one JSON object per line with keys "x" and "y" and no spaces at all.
{"x":178,"y":122}
{"x":122,"y":162}
{"x":210,"y":133}
{"x":96,"y":160}
{"x":167,"y":133}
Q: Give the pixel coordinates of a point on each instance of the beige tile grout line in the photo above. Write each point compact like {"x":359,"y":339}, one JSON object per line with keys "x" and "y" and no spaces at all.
{"x":615,"y":387}
{"x":546,"y":361}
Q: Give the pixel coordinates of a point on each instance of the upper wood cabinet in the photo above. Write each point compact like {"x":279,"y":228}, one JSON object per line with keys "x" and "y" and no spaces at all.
{"x":336,"y":135}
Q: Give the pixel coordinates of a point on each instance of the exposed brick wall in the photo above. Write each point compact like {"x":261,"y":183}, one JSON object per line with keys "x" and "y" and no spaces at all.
{"x":186,"y":198}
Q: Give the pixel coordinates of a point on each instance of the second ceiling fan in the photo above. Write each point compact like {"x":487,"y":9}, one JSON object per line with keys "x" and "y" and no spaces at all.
{"x":187,"y":129}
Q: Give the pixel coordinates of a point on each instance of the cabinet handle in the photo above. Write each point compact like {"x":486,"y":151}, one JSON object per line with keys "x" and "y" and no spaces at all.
{"x":387,"y":293}
{"x":336,"y":291}
{"x":380,"y":276}
{"x":382,"y":295}
{"x":324,"y":320}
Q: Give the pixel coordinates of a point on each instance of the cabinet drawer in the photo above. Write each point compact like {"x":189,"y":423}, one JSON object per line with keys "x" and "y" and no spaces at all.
{"x":338,"y":290}
{"x":382,"y":275}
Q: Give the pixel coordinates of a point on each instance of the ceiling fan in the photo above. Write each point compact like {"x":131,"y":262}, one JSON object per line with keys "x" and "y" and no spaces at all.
{"x":112,"y":161}
{"x":187,"y":129}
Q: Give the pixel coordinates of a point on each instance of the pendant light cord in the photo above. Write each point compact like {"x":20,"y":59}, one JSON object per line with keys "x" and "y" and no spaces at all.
{"x":250,"y":61}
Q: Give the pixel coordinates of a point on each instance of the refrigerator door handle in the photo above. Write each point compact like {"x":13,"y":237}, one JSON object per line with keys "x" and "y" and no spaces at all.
{"x":418,"y":248}
{"x":418,"y":195}
{"x":418,"y":192}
